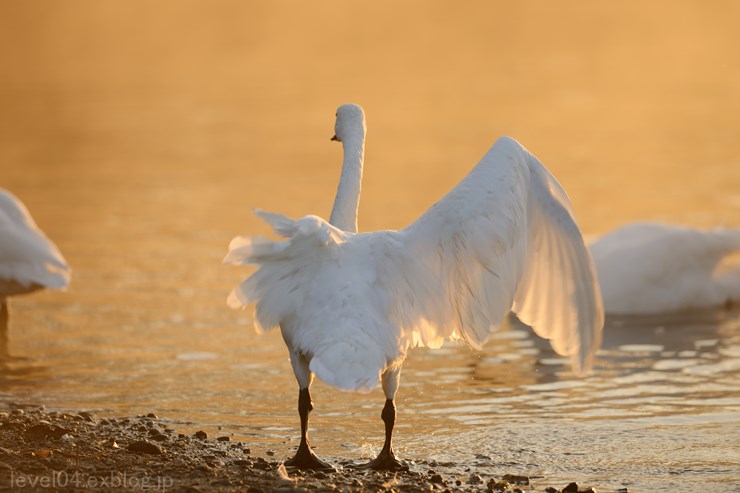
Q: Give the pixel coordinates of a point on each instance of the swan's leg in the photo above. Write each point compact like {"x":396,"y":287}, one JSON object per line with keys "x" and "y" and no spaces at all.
{"x":4,"y":316}
{"x":304,"y":457}
{"x":386,"y":459}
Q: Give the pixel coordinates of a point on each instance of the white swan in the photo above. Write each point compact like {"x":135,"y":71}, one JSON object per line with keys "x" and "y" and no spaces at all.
{"x":29,"y":261}
{"x":653,"y":268}
{"x":349,"y":305}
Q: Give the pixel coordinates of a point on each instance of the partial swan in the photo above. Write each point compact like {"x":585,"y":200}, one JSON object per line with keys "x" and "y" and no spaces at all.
{"x":654,"y":268}
{"x":29,"y":261}
{"x":349,"y":305}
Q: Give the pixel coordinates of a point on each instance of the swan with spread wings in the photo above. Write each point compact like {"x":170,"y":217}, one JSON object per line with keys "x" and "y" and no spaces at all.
{"x":350,"y":305}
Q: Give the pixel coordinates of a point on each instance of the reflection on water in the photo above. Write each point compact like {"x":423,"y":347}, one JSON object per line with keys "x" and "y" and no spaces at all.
{"x":142,"y":156}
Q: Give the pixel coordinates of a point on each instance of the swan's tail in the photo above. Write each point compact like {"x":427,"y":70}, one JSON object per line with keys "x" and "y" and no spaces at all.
{"x":727,"y":272}
{"x":348,"y":366}
{"x":283,"y":265}
{"x":244,"y":250}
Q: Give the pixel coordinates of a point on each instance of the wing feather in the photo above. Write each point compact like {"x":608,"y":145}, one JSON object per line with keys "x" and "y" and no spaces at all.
{"x":559,"y":295}
{"x":470,"y":246}
{"x":503,"y":237}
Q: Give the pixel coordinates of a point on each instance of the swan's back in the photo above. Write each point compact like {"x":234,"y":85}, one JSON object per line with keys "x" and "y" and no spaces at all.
{"x":321,"y":287}
{"x":27,"y":256}
{"x":354,"y":303}
{"x":652,"y":267}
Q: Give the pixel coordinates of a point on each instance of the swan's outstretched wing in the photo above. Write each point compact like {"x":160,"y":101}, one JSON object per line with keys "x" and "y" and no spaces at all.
{"x":503,"y":237}
{"x":27,"y":256}
{"x":559,"y":294}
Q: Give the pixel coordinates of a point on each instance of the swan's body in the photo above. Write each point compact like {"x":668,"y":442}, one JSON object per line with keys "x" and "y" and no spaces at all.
{"x":652,"y":268}
{"x":350,"y":305}
{"x":29,"y":261}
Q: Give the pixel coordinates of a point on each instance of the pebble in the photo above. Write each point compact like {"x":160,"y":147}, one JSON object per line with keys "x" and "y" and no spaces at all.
{"x":223,"y":439}
{"x":41,"y":431}
{"x":475,"y":479}
{"x":571,"y":488}
{"x":144,"y":447}
{"x":283,"y":473}
{"x":437,"y":478}
{"x":494,"y":485}
{"x":514,"y":478}
{"x":550,"y":489}
{"x":200,"y":435}
{"x":152,"y":415}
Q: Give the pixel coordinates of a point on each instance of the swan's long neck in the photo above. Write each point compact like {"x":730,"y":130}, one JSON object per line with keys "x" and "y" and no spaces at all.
{"x":347,"y":200}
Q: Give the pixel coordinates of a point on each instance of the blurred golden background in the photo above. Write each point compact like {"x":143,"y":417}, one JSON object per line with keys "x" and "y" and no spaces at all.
{"x":191,"y":113}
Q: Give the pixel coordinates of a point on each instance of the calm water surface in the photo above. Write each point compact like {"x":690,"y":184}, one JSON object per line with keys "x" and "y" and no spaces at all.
{"x":143,"y":157}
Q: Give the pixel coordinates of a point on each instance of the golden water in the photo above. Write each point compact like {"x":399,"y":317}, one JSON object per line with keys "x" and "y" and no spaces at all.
{"x":140,"y":135}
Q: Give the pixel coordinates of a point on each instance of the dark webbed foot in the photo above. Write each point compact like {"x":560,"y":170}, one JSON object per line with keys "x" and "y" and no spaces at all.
{"x":385,"y":461}
{"x":304,"y":458}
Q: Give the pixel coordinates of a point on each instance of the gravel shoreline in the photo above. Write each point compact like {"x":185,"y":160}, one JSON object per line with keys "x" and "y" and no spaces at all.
{"x":78,"y":451}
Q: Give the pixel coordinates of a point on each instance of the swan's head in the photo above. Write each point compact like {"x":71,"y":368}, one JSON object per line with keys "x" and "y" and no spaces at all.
{"x":350,"y":123}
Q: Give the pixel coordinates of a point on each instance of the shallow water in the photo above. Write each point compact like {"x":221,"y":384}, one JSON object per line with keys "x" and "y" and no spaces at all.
{"x":142,"y":158}
{"x":660,"y":412}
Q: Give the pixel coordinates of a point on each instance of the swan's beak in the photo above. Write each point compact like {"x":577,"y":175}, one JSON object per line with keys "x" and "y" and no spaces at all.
{"x":335,"y":139}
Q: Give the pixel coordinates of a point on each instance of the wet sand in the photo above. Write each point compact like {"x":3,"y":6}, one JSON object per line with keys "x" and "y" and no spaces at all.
{"x":75,"y":451}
